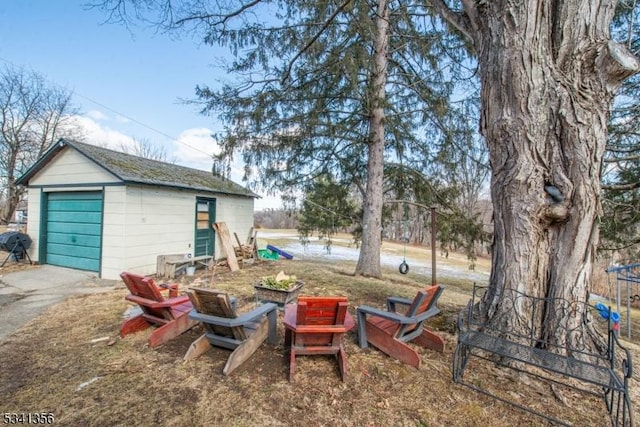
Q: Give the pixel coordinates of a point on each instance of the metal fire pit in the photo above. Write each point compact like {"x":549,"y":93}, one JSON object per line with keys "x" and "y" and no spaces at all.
{"x":16,"y":244}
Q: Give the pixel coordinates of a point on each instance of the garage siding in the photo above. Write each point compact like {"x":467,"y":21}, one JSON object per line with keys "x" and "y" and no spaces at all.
{"x":114,"y":235}
{"x":71,"y":168}
{"x":120,"y":225}
{"x":158,"y":222}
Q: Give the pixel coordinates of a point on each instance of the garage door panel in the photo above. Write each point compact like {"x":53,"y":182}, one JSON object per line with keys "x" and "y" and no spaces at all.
{"x":74,"y":239}
{"x":76,"y":195}
{"x":75,"y":205}
{"x":74,"y":229}
{"x":81,"y":229}
{"x":74,"y":262}
{"x":74,"y":251}
{"x":75,"y":217}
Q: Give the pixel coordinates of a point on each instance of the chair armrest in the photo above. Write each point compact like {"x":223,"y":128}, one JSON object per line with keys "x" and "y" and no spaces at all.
{"x":171,"y":287}
{"x":363,"y":310}
{"x":392,"y":301}
{"x":233,"y":322}
{"x":157,"y":304}
{"x":427,"y":314}
{"x":170,"y":302}
{"x":259,"y":311}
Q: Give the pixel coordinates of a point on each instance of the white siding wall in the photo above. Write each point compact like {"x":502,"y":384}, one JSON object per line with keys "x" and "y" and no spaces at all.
{"x":161,"y":222}
{"x":237,"y":212}
{"x":71,"y":168}
{"x":33,"y":224}
{"x":158,"y":222}
{"x":114,"y":232}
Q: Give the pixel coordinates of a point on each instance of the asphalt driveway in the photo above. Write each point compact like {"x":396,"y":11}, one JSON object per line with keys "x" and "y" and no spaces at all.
{"x":26,"y":294}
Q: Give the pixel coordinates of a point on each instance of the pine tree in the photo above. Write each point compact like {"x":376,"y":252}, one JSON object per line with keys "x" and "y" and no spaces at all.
{"x":322,"y":87}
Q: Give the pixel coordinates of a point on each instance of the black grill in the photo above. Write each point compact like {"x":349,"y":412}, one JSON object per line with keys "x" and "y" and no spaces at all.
{"x":15,"y":243}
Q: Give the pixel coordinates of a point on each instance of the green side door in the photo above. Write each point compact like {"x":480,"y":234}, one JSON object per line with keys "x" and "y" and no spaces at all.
{"x":205,"y":237}
{"x":73,"y":229}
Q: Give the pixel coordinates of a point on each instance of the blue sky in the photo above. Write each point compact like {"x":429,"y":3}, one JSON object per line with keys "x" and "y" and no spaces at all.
{"x":127,"y":83}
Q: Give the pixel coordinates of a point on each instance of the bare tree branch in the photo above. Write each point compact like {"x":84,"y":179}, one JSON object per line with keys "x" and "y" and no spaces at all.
{"x":622,"y":159}
{"x":621,"y":187}
{"x":33,"y":115}
{"x":458,"y":20}
{"x":223,"y":17}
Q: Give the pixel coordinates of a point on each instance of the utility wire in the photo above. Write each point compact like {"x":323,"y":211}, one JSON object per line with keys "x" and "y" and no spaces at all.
{"x":126,"y":116}
{"x":330,"y":211}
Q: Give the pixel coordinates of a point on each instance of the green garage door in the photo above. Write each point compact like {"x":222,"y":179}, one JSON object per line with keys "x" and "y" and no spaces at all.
{"x":74,"y":229}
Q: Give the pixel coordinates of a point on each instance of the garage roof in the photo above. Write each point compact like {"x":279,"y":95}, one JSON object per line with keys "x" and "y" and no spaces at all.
{"x":138,"y":170}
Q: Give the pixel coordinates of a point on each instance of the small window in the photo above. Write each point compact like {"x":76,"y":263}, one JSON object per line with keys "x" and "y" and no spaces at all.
{"x":202,"y":217}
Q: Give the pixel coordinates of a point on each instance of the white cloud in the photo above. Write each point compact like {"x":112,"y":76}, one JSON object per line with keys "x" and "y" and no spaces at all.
{"x":195,"y":148}
{"x":97,"y":115}
{"x":267,"y":202}
{"x":97,"y":134}
{"x":122,"y":119}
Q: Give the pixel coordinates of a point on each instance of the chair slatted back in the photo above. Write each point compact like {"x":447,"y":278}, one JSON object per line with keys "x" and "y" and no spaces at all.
{"x":216,"y":303}
{"x":145,"y":287}
{"x":423,"y":301}
{"x":320,"y":311}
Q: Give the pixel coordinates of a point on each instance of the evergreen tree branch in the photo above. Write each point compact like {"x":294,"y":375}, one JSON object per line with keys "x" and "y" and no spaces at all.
{"x":312,"y":40}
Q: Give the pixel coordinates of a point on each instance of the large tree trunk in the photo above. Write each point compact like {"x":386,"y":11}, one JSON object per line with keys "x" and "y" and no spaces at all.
{"x":369,"y":259}
{"x":11,"y":197}
{"x":548,"y":72}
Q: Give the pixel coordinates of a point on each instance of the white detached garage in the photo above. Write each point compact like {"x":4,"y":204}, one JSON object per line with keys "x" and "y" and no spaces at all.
{"x":100,"y":210}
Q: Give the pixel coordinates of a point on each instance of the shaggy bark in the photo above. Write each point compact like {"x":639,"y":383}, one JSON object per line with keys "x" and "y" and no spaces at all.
{"x":548,"y":72}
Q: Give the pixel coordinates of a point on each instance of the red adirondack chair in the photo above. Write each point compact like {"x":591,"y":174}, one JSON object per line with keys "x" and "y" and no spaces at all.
{"x":171,"y":314}
{"x":390,"y":331}
{"x":316,"y":325}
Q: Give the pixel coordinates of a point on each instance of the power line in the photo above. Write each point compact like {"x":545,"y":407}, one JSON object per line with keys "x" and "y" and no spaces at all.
{"x":126,"y":116}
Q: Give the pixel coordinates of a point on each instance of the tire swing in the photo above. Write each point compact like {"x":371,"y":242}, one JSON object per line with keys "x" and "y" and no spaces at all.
{"x":404,"y":266}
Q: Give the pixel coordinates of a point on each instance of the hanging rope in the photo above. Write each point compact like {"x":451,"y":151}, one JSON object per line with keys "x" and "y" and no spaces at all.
{"x":404,"y":267}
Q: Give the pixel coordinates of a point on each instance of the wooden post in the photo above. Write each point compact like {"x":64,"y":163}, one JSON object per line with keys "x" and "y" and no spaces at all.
{"x":433,"y":246}
{"x":225,"y":238}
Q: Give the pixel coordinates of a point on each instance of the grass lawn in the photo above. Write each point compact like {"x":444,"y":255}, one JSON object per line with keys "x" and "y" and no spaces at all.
{"x":71,"y":362}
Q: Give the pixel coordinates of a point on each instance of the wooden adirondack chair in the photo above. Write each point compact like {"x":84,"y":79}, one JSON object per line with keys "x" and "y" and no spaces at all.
{"x":390,"y":331}
{"x":172,"y":313}
{"x":224,"y":328}
{"x":316,"y":325}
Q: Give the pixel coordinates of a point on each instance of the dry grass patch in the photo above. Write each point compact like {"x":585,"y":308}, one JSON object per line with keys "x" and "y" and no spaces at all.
{"x":54,"y":364}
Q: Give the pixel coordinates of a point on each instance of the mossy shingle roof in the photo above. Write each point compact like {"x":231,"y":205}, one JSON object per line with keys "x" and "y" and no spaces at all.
{"x":138,"y":170}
